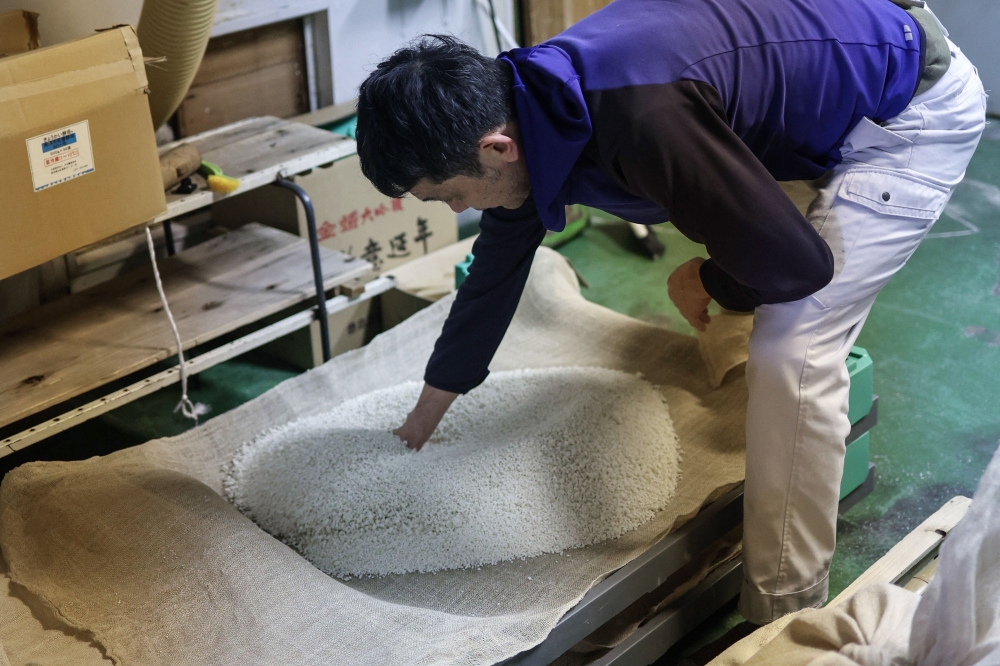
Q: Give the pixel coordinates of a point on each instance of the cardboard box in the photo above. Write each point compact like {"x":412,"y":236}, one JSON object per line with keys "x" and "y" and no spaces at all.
{"x":349,"y":329}
{"x":351,"y":216}
{"x":18,"y":32}
{"x":79,"y":153}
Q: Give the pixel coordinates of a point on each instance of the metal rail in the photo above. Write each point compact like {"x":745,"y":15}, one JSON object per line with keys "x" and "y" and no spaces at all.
{"x":650,"y":641}
{"x":643,"y":574}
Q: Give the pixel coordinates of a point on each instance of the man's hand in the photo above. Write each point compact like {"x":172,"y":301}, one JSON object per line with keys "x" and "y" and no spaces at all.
{"x":688,"y":293}
{"x":425,"y":417}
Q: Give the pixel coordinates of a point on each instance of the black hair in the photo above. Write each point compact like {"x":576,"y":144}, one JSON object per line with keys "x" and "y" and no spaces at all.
{"x":423,"y":111}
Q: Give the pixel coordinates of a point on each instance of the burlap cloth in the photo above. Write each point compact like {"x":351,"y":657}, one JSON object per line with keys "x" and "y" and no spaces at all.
{"x":138,"y":548}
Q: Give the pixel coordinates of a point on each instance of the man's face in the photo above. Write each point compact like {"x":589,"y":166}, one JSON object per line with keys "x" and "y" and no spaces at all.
{"x":463,"y":192}
{"x":504,"y":183}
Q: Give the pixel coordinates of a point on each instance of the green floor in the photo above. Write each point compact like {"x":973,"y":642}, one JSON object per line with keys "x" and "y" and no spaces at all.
{"x":934,"y":335}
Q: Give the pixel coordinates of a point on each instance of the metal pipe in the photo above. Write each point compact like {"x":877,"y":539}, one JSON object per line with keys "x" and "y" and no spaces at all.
{"x":324,"y":321}
{"x":177,"y":30}
{"x":168,"y":236}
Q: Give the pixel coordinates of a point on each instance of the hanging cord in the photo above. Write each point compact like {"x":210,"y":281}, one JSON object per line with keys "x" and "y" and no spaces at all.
{"x":185,"y":406}
{"x":496,"y":28}
{"x":500,"y":32}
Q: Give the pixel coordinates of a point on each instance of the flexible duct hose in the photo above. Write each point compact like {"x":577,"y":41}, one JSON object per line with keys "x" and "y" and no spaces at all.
{"x":177,"y":30}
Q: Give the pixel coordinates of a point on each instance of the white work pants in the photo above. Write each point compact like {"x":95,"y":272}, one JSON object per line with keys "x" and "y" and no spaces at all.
{"x":873,"y":210}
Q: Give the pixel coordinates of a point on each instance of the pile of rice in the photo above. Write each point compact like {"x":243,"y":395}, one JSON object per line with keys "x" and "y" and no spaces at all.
{"x":531,"y":462}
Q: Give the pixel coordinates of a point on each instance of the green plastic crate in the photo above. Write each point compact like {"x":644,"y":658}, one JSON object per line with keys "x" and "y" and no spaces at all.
{"x":860,"y":368}
{"x":859,"y":365}
{"x":855,"y":464}
{"x":347,"y":126}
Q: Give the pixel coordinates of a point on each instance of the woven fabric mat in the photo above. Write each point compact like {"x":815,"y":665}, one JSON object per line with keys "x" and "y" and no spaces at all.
{"x":139,"y":550}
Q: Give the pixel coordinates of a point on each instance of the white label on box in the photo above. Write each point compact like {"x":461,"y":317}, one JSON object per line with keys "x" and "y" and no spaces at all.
{"x":60,"y":155}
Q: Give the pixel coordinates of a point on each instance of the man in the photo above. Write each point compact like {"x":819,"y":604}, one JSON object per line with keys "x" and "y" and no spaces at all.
{"x":690,"y":111}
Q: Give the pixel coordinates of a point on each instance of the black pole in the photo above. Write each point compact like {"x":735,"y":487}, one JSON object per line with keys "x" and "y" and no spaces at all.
{"x":168,"y":236}
{"x":324,"y":322}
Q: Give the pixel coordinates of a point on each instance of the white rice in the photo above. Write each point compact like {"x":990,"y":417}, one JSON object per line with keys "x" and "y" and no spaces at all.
{"x":531,"y":462}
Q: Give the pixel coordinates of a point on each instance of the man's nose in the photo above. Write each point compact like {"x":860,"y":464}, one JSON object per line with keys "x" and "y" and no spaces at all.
{"x":457,"y":206}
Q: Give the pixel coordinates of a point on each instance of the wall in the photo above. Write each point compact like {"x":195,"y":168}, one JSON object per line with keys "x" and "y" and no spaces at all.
{"x":361,"y":32}
{"x":973,"y":27}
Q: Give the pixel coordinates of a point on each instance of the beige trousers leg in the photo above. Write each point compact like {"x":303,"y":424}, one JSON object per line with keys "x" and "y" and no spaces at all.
{"x":873,"y":211}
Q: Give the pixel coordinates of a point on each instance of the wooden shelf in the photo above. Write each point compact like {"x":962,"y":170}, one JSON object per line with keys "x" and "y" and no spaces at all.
{"x":81,"y":342}
{"x":256,"y":151}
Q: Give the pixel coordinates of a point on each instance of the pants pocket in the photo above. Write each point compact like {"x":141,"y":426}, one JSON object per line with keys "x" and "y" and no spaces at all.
{"x":877,"y":219}
{"x":894,"y":193}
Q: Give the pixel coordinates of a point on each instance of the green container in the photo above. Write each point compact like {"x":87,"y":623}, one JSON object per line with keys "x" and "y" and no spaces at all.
{"x":347,"y":127}
{"x":462,"y":270}
{"x":859,"y":365}
{"x":860,"y":368}
{"x":855,"y":464}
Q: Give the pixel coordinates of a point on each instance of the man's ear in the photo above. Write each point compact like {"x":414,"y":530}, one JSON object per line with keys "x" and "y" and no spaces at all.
{"x":496,"y":147}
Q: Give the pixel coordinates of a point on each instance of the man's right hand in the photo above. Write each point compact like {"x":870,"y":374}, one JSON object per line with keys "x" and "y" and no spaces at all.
{"x":425,"y":417}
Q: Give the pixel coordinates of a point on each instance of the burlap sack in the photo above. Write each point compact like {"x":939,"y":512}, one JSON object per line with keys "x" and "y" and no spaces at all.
{"x":139,"y":548}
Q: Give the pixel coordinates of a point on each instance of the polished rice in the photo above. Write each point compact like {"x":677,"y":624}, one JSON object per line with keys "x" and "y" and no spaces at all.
{"x":531,"y":462}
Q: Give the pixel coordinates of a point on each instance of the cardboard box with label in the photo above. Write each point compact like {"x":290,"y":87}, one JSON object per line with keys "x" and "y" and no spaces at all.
{"x":80,"y":161}
{"x":353,"y":217}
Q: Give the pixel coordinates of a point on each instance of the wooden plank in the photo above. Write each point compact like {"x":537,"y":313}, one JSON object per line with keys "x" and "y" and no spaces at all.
{"x":221,"y":136}
{"x":258,"y":72}
{"x":277,"y":90}
{"x":913,"y":548}
{"x":86,"y":340}
{"x":922,"y":578}
{"x":274,"y":146}
{"x":544,"y":19}
{"x":251,"y":50}
{"x":256,"y":150}
{"x":328,"y":114}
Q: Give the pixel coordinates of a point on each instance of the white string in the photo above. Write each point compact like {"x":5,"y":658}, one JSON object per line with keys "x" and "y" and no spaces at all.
{"x":186,"y":407}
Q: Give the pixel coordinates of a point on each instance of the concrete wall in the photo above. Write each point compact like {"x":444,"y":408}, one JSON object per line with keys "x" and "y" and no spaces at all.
{"x":361,"y":32}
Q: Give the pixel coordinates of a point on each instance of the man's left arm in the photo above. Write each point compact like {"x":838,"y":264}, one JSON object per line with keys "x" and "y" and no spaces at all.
{"x":671,"y":144}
